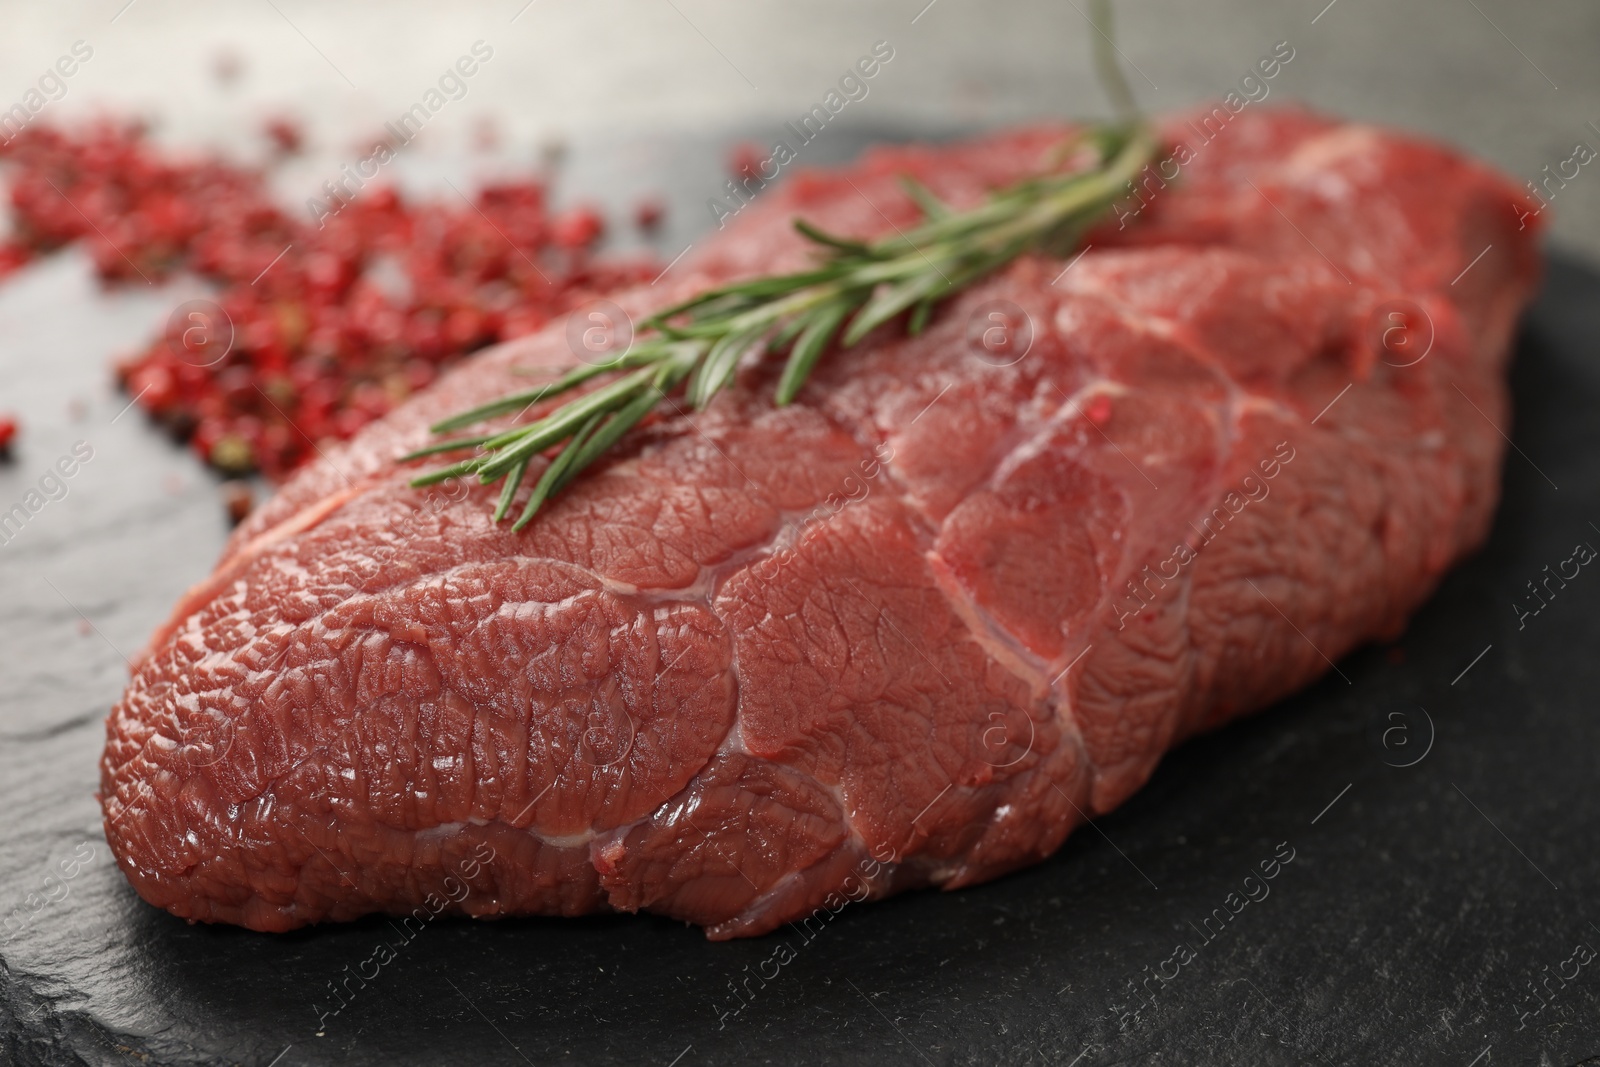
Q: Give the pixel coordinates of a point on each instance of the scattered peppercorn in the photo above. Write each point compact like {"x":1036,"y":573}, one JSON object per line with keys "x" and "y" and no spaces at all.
{"x":238,"y":498}
{"x":745,"y":161}
{"x":226,"y":67}
{"x":648,"y":212}
{"x":286,"y":135}
{"x":329,"y":324}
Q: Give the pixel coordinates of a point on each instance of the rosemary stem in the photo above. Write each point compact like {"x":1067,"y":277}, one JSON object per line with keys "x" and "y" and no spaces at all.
{"x":698,"y":344}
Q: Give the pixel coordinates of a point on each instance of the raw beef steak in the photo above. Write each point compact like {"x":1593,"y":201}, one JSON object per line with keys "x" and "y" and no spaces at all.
{"x":909,"y":631}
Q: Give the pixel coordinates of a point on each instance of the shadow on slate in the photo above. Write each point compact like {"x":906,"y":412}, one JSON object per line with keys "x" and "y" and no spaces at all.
{"x":1440,"y":834}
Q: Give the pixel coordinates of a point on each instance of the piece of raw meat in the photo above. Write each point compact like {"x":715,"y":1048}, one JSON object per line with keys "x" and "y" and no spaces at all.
{"x":909,"y":631}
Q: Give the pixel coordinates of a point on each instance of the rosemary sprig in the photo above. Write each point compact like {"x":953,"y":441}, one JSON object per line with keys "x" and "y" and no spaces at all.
{"x":857,"y":286}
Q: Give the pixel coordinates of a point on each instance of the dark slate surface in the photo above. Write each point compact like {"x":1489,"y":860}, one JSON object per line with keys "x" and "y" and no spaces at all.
{"x":1440,"y":823}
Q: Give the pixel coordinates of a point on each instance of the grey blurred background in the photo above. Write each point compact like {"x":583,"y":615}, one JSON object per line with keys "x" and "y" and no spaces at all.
{"x":1513,"y":82}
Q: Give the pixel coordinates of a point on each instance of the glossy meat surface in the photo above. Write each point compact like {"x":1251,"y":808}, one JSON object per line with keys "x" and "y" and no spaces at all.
{"x":909,"y":631}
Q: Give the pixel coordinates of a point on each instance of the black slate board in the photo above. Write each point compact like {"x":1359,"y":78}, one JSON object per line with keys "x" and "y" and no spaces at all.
{"x":1421,"y":904}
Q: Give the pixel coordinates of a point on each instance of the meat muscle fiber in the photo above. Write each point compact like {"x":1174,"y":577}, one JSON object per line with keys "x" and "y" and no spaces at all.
{"x":909,"y":631}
